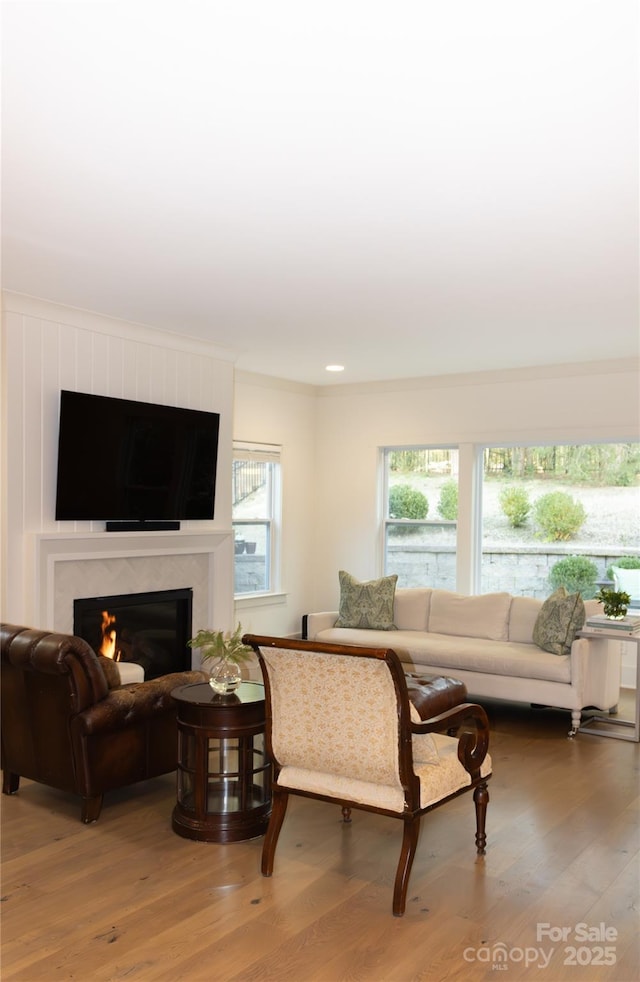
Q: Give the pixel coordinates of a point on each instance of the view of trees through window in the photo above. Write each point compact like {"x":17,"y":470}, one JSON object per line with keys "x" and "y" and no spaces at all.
{"x":551,"y":515}
{"x":421,"y":497}
{"x":558,"y":516}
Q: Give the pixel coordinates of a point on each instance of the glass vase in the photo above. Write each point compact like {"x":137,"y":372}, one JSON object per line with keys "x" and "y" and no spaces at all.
{"x":225,"y":677}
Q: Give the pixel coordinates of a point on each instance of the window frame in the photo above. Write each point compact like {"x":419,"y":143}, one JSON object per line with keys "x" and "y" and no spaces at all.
{"x":387,"y":522}
{"x":470,"y":545}
{"x":271,"y":454}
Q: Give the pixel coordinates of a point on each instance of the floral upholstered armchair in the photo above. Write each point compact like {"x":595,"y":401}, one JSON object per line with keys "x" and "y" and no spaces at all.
{"x":340,"y":727}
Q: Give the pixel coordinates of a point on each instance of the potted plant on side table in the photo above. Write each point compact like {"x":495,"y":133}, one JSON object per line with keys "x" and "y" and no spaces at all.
{"x":226,"y":652}
{"x":614,"y":603}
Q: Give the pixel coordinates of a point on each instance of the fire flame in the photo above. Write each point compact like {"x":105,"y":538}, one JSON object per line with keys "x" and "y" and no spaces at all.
{"x":108,"y":646}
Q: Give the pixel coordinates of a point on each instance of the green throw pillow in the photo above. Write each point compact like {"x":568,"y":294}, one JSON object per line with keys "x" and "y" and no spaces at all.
{"x":561,"y":617}
{"x":367,"y":605}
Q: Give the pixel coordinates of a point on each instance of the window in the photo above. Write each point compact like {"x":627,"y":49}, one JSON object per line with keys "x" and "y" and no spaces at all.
{"x":421,"y":512}
{"x":505,"y":538}
{"x":558,"y":516}
{"x":255,"y":515}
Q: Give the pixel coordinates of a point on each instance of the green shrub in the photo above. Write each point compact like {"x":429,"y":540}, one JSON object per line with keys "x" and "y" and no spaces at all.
{"x":448,"y":500}
{"x":577,"y":574}
{"x":625,"y":562}
{"x":559,"y":515}
{"x":515,"y":505}
{"x":406,"y":502}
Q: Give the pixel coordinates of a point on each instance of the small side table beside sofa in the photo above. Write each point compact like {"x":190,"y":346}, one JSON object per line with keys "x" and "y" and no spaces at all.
{"x":224,"y":775}
{"x":608,"y":725}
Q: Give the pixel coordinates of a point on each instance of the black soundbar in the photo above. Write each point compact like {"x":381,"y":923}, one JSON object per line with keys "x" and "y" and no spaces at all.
{"x":142,"y":526}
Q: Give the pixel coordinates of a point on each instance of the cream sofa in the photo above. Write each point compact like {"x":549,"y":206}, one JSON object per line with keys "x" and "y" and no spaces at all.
{"x":487,"y":642}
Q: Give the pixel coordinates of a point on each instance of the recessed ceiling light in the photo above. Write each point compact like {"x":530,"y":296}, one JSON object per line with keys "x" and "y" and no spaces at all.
{"x":334,"y":368}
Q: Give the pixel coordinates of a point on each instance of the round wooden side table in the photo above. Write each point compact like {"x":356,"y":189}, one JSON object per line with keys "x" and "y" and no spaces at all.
{"x":224,"y":776}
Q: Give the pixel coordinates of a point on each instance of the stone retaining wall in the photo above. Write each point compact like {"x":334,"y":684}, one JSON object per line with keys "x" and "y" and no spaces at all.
{"x":524,"y":573}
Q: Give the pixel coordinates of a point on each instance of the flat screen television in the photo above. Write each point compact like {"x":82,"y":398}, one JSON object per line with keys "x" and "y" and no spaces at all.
{"x":132,"y":462}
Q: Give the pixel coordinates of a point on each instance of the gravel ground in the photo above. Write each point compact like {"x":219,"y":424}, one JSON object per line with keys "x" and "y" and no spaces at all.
{"x":613,"y":513}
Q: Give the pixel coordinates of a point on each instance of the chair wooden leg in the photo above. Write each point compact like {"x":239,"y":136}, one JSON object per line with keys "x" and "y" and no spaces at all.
{"x":407,"y":853}
{"x":10,"y":782}
{"x":91,"y":808}
{"x":481,"y":798}
{"x":278,"y":810}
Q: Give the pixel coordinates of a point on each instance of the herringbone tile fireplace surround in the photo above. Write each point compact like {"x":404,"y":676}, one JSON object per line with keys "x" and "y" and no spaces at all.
{"x":78,"y":565}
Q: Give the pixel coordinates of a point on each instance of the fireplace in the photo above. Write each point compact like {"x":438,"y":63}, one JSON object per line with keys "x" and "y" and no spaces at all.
{"x":151,"y":629}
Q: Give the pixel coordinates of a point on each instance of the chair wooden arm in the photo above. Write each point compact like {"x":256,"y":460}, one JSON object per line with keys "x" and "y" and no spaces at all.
{"x":473,"y":743}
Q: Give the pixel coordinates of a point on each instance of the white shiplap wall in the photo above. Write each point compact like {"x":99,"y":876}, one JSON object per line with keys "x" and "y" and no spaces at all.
{"x":47,"y":348}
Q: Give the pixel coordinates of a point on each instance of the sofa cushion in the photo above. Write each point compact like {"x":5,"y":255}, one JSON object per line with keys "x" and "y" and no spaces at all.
{"x":411,"y":608}
{"x":591,"y":607}
{"x":561,"y":617}
{"x":524,"y":614}
{"x":522,"y":618}
{"x":484,"y":616}
{"x":366,"y":605}
{"x":442,"y":654}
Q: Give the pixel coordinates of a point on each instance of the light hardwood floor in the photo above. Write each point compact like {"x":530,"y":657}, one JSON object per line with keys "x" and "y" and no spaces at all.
{"x":127,"y":899}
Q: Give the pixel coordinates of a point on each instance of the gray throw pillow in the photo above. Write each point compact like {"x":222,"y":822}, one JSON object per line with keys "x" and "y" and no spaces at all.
{"x":561,"y":617}
{"x":366,"y":605}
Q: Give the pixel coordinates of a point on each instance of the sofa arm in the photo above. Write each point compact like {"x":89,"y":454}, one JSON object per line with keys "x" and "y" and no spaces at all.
{"x":313,"y":623}
{"x":134,"y":703}
{"x":596,"y":671}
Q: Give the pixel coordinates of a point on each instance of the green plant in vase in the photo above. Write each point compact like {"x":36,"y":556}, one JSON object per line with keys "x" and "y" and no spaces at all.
{"x":614,"y":602}
{"x":226,"y":653}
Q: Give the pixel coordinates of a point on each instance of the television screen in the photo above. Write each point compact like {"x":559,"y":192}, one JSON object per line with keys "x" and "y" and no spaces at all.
{"x":123,"y":460}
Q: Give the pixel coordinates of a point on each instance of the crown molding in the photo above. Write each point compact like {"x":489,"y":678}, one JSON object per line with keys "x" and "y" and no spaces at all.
{"x":87,"y":320}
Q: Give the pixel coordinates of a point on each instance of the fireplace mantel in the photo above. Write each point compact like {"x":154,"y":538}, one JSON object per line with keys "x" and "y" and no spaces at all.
{"x":96,"y":563}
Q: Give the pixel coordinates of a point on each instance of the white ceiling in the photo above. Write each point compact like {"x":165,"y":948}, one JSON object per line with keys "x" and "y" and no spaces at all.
{"x":407,"y":188}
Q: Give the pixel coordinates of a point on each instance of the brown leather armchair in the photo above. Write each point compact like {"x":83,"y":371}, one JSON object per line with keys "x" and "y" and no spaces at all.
{"x":67,"y":723}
